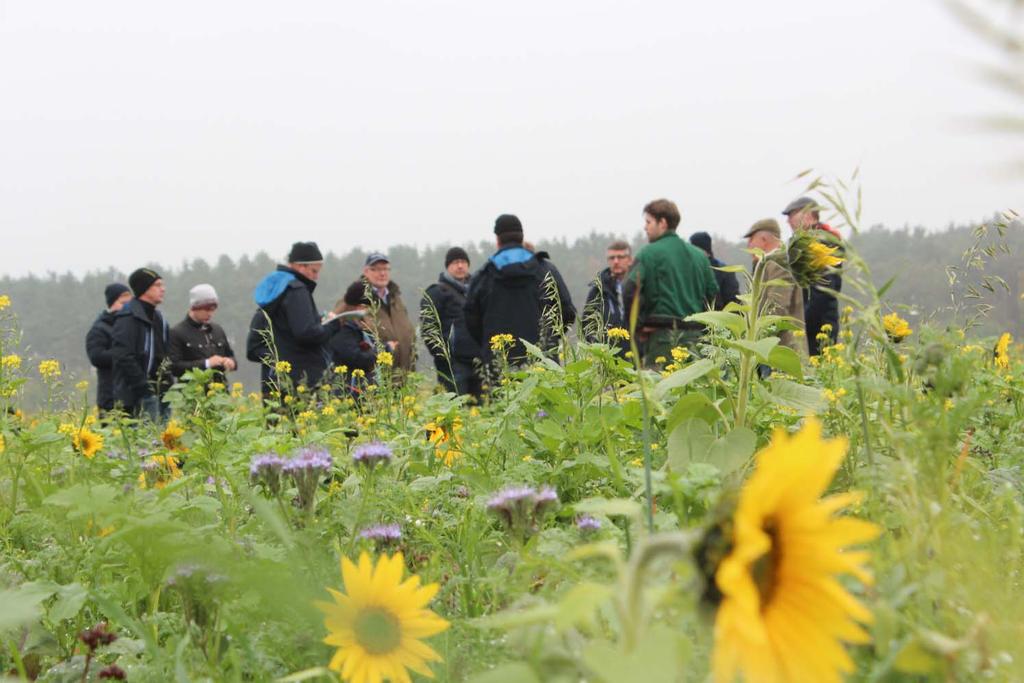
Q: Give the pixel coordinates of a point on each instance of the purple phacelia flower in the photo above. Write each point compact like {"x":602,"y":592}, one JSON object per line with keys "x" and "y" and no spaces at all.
{"x":266,"y":470}
{"x":382,"y":534}
{"x":522,"y":509}
{"x":371,"y":454}
{"x":587,"y":524}
{"x":306,"y":469}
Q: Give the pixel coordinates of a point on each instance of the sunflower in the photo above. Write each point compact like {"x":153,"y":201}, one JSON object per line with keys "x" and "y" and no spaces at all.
{"x":378,"y":622}
{"x":1002,"y":352}
{"x":158,"y":471}
{"x":87,"y":442}
{"x":896,"y":327}
{"x":171,"y":436}
{"x":446,"y":439}
{"x":823,"y":256}
{"x":783,"y":613}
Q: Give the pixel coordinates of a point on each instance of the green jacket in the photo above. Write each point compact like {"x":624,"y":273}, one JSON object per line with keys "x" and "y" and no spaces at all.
{"x":674,"y":279}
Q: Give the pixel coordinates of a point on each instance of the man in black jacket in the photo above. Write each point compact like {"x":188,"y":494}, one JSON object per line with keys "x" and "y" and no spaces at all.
{"x":517,"y":293}
{"x":728,"y":285}
{"x":604,"y":300}
{"x":197,"y":342}
{"x":456,"y":354}
{"x":821,"y":309}
{"x":139,"y":351}
{"x":285,"y":298}
{"x":99,"y":342}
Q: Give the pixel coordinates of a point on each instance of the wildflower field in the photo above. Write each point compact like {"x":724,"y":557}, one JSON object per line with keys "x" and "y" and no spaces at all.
{"x":856,"y":517}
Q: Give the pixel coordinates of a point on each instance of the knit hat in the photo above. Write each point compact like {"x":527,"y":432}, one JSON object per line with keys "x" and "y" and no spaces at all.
{"x":455,"y":254}
{"x":701,"y":240}
{"x":506,"y":224}
{"x":202,"y":295}
{"x":764,"y":225}
{"x":113,"y":291}
{"x":141,"y":280}
{"x":305,"y":252}
{"x":356,"y":294}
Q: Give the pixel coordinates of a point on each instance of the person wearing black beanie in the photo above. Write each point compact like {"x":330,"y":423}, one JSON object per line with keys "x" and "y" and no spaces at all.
{"x":141,"y":280}
{"x":728,"y":284}
{"x":99,"y":343}
{"x":142,"y":371}
{"x":518,"y":293}
{"x":456,"y":354}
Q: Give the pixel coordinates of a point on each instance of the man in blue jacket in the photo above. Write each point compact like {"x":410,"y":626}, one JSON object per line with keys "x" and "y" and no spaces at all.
{"x":288,"y":316}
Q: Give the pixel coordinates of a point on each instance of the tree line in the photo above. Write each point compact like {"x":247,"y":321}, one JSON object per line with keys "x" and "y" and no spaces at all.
{"x":56,"y":310}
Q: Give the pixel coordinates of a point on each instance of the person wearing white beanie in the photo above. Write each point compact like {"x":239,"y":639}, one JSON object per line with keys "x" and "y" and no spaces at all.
{"x":197,"y":342}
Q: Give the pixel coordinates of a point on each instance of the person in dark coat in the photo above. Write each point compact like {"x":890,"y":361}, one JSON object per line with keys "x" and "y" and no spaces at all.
{"x":352,"y":346}
{"x":456,"y":354}
{"x":197,"y":342}
{"x":139,"y":350}
{"x":99,"y":343}
{"x":289,"y":315}
{"x":519,"y":293}
{"x":605,"y":296}
{"x":728,"y":284}
{"x":820,"y":307}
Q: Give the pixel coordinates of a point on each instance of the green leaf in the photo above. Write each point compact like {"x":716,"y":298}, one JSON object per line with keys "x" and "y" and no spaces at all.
{"x":732,"y":322}
{"x":733,"y":451}
{"x":658,"y":658}
{"x":580,"y":603}
{"x":70,"y":599}
{"x":306,"y":674}
{"x":915,"y":659}
{"x":689,"y":442}
{"x":789,"y":394}
{"x":695,"y":405}
{"x":681,"y":378}
{"x":761,"y":348}
{"x":617,"y":507}
{"x":786,"y":359}
{"x":516,"y":672}
{"x":20,"y":608}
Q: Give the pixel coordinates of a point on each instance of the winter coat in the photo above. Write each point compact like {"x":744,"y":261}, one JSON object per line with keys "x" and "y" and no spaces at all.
{"x":822,"y":308}
{"x":605,"y":298}
{"x":674,"y":279}
{"x":192,"y":343}
{"x":448,"y":297}
{"x":353,"y":347}
{"x":787,"y":300}
{"x":389,"y":321}
{"x":286,"y":298}
{"x":139,"y":354}
{"x":98,"y":346}
{"x":510,"y":295}
{"x":728,"y":285}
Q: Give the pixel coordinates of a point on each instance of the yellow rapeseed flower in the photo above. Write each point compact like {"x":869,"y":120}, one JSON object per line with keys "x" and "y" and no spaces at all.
{"x":784,"y":614}
{"x":11,"y":361}
{"x":358,"y":373}
{"x":385,"y":358}
{"x":5,"y":301}
{"x":896,"y":327}
{"x":282,"y":367}
{"x":680,"y":354}
{"x":1002,"y":354}
{"x":500,"y":342}
{"x":49,"y":369}
{"x":340,"y":369}
{"x":379,"y":622}
{"x":618,"y":333}
{"x":3,"y":443}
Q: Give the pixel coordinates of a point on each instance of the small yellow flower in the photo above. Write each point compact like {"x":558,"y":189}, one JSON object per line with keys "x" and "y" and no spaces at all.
{"x":3,"y":443}
{"x":171,"y":436}
{"x":896,"y":327}
{"x":5,"y":301}
{"x":660,"y":359}
{"x":680,"y":354}
{"x":628,"y":354}
{"x":327,"y":411}
{"x":618,"y":333}
{"x":948,"y":405}
{"x":49,"y":369}
{"x":301,"y":389}
{"x":289,"y":399}
{"x":527,"y":458}
{"x":385,"y":358}
{"x":340,"y":369}
{"x":500,"y":342}
{"x":282,"y":367}
{"x":306,"y":416}
{"x":799,"y":334}
{"x":11,"y":361}
{"x":358,"y":374}
{"x":1003,"y":351}
{"x":82,"y":386}
{"x":216,"y":386}
{"x":87,"y":442}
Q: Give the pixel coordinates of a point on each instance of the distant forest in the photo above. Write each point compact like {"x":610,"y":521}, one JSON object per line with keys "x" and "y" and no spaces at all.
{"x":56,"y":311}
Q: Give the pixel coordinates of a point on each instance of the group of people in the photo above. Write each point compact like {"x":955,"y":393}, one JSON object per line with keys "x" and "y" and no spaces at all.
{"x":517,"y":296}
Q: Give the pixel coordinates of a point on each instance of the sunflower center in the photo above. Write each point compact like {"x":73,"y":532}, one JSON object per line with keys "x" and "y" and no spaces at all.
{"x":765,"y":569}
{"x":378,"y":631}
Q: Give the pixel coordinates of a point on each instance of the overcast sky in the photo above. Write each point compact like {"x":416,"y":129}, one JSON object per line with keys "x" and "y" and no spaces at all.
{"x":138,"y":131}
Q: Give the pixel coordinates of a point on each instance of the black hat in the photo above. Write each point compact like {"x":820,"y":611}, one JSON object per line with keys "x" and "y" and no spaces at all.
{"x":507,"y":223}
{"x":113,"y":291}
{"x":701,"y":240}
{"x":141,"y":280}
{"x":305,"y":252}
{"x":455,"y":254}
{"x":376,"y":257}
{"x":356,"y":294}
{"x":800,"y":204}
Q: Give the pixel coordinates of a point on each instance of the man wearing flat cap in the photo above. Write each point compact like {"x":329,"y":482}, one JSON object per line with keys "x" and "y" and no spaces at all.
{"x":456,"y":354}
{"x":288,"y":315}
{"x":387,"y":317}
{"x":820,"y":307}
{"x":139,"y":350}
{"x":99,"y":344}
{"x":197,"y":342}
{"x":517,"y":292}
{"x":777,"y":298}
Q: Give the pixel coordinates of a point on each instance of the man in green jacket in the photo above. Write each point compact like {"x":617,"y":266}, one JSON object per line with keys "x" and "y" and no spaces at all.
{"x":670,"y":280}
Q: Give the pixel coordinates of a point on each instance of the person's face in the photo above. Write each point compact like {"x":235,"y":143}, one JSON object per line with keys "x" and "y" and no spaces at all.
{"x":654,"y":227}
{"x":308,"y":270}
{"x":801,"y":220}
{"x":155,"y":294}
{"x":459,"y":269}
{"x":120,"y":301}
{"x":378,"y":274}
{"x":619,"y":262}
{"x":204,"y":314}
{"x":762,"y":240}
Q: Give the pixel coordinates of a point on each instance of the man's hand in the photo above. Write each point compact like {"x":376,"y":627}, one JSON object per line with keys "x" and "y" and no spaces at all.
{"x":229,"y":363}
